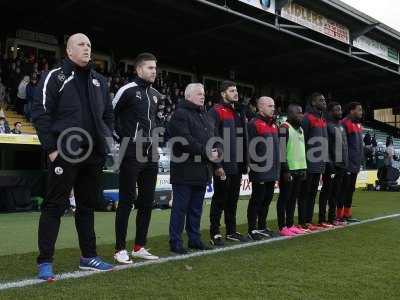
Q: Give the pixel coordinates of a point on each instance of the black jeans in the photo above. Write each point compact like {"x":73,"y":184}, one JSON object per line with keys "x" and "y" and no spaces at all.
{"x":225,"y":199}
{"x":330,"y":194}
{"x":144,"y":174}
{"x":289,"y":192}
{"x":85,"y":178}
{"x":257,"y":210}
{"x":307,"y":199}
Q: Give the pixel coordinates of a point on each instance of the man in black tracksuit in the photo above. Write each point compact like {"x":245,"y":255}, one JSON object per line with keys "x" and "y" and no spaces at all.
{"x":264,"y":167}
{"x":189,"y":178}
{"x":316,"y":139}
{"x":334,"y":172}
{"x":228,"y":173}
{"x":73,"y":116}
{"x":135,"y":108}
{"x":353,"y":129}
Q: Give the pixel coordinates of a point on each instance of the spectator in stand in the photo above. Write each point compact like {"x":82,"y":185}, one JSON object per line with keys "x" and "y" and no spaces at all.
{"x":3,"y":102}
{"x":30,"y":93}
{"x":4,"y":128}
{"x":367,"y":139}
{"x":17,"y":128}
{"x":21,"y":95}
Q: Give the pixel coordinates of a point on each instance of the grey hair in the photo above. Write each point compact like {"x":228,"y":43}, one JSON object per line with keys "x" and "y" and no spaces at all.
{"x":190,"y":87}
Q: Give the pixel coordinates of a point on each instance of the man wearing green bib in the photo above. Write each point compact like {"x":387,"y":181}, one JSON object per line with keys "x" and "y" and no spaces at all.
{"x":293,"y":170}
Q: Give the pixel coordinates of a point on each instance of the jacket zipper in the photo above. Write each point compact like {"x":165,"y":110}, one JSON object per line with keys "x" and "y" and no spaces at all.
{"x":148,"y":117}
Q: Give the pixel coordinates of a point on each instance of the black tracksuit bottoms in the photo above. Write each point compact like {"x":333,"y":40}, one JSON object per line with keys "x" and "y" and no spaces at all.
{"x":257,"y":210}
{"x":144,"y":175}
{"x":225,"y":199}
{"x":307,"y":198}
{"x":85,"y":178}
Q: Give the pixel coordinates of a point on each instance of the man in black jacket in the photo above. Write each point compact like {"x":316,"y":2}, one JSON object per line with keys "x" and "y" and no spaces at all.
{"x":135,"y":108}
{"x":189,"y":177}
{"x":230,"y":125}
{"x":334,"y":172}
{"x":73,"y":116}
{"x":264,"y":167}
{"x":354,"y":130}
{"x":316,"y":139}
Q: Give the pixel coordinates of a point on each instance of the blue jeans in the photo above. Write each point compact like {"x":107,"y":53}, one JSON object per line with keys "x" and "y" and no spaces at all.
{"x":187,"y":206}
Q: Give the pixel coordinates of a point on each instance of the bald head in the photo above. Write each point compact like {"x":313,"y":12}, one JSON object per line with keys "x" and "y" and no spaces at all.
{"x":266,"y":106}
{"x":79,"y":49}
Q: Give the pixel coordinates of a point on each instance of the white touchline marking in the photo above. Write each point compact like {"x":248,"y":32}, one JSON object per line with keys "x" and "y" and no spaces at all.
{"x":80,"y":274}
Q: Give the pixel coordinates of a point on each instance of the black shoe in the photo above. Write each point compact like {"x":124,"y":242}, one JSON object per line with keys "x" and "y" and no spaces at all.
{"x":199,"y":246}
{"x":352,"y":220}
{"x":236,"y":237}
{"x":217,"y":241}
{"x":255,"y":236}
{"x":179,"y":250}
{"x":268,"y":233}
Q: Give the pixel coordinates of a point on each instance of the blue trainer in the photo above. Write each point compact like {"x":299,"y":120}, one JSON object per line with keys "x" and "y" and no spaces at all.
{"x":46,"y":271}
{"x":94,"y":264}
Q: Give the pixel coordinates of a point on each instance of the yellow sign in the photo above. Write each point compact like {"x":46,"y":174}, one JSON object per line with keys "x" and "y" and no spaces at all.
{"x":22,"y":139}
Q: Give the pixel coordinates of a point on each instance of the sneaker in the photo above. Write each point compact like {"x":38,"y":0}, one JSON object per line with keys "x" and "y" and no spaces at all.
{"x":236,"y":237}
{"x":199,"y":246}
{"x":338,"y":223}
{"x":268,"y":233}
{"x":255,"y":236}
{"x":94,"y":264}
{"x":296,"y":230}
{"x":122,"y":257}
{"x":180,"y":250}
{"x":325,"y":225}
{"x":306,"y":230}
{"x":45,"y":271}
{"x":352,"y":220}
{"x":217,"y":241}
{"x":286,"y":232}
{"x":144,"y":254}
{"x":312,"y":227}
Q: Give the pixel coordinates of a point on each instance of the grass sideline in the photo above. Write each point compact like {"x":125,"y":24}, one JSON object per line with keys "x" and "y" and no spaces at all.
{"x":366,"y":205}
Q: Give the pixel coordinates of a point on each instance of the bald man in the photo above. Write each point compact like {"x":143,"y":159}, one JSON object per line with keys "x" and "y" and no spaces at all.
{"x":73,"y":115}
{"x":264,"y":167}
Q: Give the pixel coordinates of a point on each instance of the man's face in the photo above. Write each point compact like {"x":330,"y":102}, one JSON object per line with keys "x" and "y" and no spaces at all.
{"x":197,"y":96}
{"x":320,"y":103}
{"x":296,"y":114}
{"x":357,"y":112}
{"x":231,"y":94}
{"x":337,"y":112}
{"x":18,"y":126}
{"x":266,"y":106}
{"x":79,"y":49}
{"x":147,"y":70}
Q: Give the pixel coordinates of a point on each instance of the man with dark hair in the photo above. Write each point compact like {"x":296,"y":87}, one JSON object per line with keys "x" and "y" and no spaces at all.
{"x":293,"y":170}
{"x":190,"y":177}
{"x":17,"y":128}
{"x":264,"y":167}
{"x":354,"y":130}
{"x":316,"y":139}
{"x":230,"y":125}
{"x":72,"y":97}
{"x":335,"y":169}
{"x":135,"y":108}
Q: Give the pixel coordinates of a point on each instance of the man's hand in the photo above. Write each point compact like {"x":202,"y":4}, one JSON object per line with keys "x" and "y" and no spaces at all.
{"x":53,"y":155}
{"x":220,"y":173}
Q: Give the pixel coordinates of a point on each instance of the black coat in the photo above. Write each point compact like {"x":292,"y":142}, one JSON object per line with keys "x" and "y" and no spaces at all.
{"x":57,"y":106}
{"x":337,"y":141}
{"x":191,"y":123}
{"x":354,"y":132}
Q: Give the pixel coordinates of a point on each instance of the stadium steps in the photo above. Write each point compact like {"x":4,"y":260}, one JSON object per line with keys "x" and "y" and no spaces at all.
{"x":12,"y":117}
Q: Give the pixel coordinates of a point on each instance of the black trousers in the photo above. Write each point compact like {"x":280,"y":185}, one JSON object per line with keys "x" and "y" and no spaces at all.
{"x":225,"y":199}
{"x":144,"y":174}
{"x":349,"y":186}
{"x":330,"y":194}
{"x":289,"y":192}
{"x":257,"y":210}
{"x":85,"y":178}
{"x":307,"y":198}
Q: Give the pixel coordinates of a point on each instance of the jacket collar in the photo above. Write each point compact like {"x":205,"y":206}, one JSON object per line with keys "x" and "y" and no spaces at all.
{"x":227,"y":105}
{"x":268,"y":120}
{"x":68,"y":66}
{"x":315,"y":112}
{"x":191,"y":106}
{"x":141,"y":82}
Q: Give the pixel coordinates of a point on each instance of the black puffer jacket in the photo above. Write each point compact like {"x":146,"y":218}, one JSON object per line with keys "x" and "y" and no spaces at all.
{"x":191,"y":123}
{"x":338,"y":149}
{"x":354,"y":132}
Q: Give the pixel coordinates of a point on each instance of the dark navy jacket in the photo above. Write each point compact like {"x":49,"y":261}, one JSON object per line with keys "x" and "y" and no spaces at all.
{"x":354,"y":132}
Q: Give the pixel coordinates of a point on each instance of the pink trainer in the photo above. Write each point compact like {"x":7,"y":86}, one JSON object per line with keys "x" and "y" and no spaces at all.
{"x":286,"y":232}
{"x":296,"y":230}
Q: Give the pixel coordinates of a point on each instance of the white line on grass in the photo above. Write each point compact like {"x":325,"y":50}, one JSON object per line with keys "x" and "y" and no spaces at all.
{"x":80,"y":274}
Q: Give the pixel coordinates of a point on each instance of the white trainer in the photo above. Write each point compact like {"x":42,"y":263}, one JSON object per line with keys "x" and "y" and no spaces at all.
{"x":122,"y":257}
{"x":144,"y":254}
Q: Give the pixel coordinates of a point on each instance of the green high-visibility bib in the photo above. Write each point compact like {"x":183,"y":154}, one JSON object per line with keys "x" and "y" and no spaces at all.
{"x":296,"y":149}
